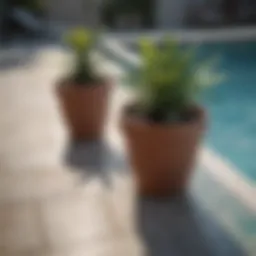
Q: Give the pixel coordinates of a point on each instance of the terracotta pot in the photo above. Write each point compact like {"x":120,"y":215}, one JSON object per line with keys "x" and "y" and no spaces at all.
{"x":84,"y":109}
{"x":162,"y":156}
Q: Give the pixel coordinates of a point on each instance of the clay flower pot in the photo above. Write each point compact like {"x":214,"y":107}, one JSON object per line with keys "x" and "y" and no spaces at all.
{"x":162,"y":155}
{"x":84,"y":109}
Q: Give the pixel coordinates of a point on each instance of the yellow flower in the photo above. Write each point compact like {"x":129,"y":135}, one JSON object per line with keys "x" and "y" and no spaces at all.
{"x":79,"y":39}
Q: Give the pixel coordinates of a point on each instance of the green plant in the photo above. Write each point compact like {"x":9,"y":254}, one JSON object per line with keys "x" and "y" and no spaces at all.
{"x":82,"y":43}
{"x":169,"y":80}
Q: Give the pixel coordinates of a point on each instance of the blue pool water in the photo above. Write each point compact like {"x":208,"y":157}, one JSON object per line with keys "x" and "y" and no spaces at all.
{"x":232,"y":105}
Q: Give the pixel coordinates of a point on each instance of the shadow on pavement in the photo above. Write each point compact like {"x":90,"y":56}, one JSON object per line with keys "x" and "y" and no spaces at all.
{"x":180,"y":227}
{"x":95,"y":158}
{"x":176,"y":226}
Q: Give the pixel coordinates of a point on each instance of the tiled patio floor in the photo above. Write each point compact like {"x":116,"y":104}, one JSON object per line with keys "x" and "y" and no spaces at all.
{"x":48,"y":208}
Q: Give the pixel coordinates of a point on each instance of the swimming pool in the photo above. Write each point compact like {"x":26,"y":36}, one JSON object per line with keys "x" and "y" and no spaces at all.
{"x":232,"y":105}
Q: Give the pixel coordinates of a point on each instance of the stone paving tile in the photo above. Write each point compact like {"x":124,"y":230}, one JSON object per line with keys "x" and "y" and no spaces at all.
{"x":114,"y":247}
{"x":87,"y":216}
{"x":123,"y":202}
{"x":19,"y":227}
{"x":32,"y":130}
{"x":71,"y":219}
{"x":35,"y":184}
{"x":84,"y":216}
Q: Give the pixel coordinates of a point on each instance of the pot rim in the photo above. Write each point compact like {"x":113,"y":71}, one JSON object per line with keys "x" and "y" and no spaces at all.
{"x":127,"y":119}
{"x":65,"y":83}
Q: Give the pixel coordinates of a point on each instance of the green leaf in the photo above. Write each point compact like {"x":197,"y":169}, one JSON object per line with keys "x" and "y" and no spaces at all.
{"x":168,"y":80}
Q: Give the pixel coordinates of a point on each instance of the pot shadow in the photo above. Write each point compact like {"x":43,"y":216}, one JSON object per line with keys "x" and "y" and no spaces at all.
{"x":174,"y":226}
{"x":95,"y":159}
{"x":178,"y":226}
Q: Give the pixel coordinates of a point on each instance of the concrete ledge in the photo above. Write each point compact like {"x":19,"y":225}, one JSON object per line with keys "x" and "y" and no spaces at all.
{"x":192,"y":35}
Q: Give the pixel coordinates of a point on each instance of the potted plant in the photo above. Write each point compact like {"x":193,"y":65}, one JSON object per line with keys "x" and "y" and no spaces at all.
{"x":164,"y":125}
{"x":83,"y":93}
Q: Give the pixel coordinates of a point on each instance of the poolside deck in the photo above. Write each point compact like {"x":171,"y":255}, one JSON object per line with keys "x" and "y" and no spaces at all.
{"x":68,"y":199}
